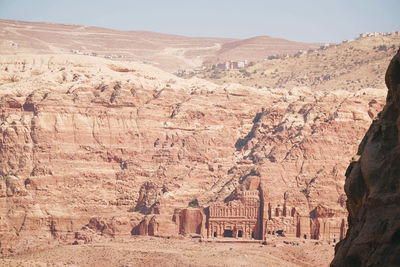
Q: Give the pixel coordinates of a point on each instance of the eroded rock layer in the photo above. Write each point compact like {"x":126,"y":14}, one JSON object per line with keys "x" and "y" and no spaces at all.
{"x":93,"y":148}
{"x":373,"y":189}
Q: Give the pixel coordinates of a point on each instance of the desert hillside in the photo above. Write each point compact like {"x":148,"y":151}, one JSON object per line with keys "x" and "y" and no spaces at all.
{"x":96,"y":148}
{"x":166,"y":51}
{"x":350,"y":65}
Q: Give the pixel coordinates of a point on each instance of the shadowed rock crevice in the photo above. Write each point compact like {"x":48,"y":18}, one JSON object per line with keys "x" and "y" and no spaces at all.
{"x":242,"y":142}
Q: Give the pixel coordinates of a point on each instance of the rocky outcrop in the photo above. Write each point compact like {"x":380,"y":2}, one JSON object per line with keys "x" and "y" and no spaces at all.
{"x":373,"y":188}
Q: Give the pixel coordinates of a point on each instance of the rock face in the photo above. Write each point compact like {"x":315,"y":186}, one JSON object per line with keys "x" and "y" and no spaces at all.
{"x":191,"y":221}
{"x":80,"y":138}
{"x":95,"y":148}
{"x":373,"y":188}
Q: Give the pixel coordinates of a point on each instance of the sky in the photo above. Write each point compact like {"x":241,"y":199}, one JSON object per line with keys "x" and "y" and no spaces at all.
{"x":297,"y":20}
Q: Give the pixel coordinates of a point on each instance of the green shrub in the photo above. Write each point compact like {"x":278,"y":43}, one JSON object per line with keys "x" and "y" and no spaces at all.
{"x":194,"y":203}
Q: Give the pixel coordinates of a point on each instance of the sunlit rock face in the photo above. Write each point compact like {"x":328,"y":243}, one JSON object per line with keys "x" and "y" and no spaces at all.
{"x":372,"y":188}
{"x":94,"y":148}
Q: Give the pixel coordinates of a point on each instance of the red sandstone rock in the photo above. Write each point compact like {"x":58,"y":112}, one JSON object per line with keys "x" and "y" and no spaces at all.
{"x":191,"y":221}
{"x":372,"y":188}
{"x":80,"y":140}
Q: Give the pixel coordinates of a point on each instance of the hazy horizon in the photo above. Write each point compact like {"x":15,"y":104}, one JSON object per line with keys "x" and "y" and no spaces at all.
{"x":305,"y":21}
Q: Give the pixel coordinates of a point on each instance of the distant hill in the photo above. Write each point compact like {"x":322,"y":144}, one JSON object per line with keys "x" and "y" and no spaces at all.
{"x":168,"y":52}
{"x":253,"y":48}
{"x":350,"y":65}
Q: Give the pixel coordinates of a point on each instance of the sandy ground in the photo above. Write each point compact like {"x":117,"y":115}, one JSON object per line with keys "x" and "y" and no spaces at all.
{"x":151,"y":251}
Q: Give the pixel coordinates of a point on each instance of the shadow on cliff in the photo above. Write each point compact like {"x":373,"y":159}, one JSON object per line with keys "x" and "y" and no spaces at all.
{"x":242,"y":142}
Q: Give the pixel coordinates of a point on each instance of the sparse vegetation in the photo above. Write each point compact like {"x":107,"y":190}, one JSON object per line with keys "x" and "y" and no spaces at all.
{"x":194,"y":203}
{"x":382,"y":48}
{"x":23,"y":65}
{"x":215,"y":74}
{"x":245,"y":73}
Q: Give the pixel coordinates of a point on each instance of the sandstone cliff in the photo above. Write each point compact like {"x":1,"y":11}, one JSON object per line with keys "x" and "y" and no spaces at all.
{"x":83,"y":137}
{"x":91,"y":148}
{"x":372,"y":188}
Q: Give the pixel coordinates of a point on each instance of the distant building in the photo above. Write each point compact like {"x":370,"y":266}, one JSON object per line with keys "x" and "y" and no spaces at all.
{"x":221,"y":66}
{"x":238,"y":218}
{"x":369,"y":34}
{"x":230,"y":65}
{"x":241,"y":64}
{"x":250,"y":212}
{"x":250,"y":215}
